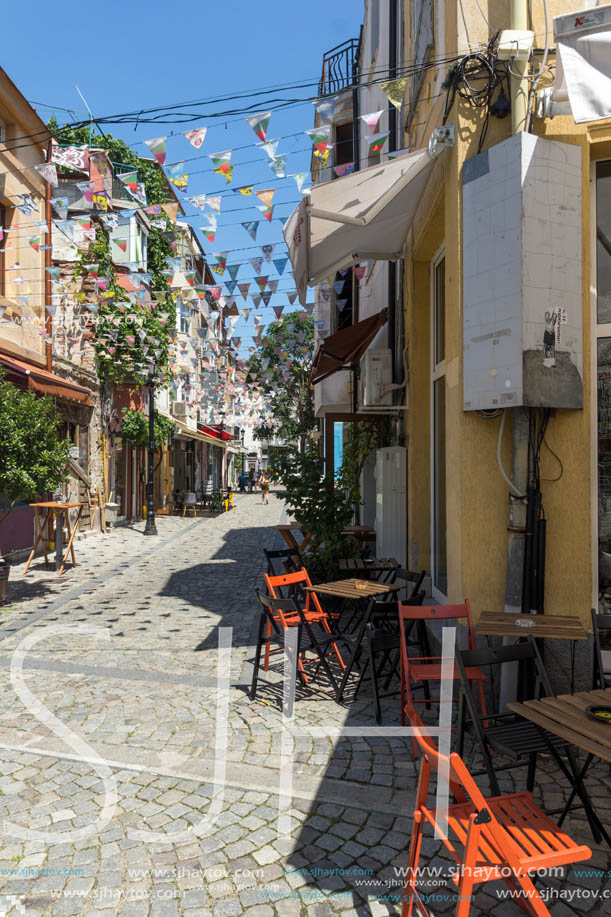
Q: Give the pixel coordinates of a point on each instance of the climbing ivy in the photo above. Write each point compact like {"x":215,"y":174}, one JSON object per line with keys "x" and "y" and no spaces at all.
{"x":128,"y":332}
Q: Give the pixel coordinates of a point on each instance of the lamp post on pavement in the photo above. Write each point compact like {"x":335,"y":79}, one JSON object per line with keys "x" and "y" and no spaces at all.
{"x":150,"y":528}
{"x":223,"y":454}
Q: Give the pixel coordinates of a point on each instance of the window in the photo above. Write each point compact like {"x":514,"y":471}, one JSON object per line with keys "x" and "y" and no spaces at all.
{"x":375,"y":26}
{"x":422,"y":43}
{"x":183,"y":316}
{"x":344,"y":144}
{"x":439,"y":565}
{"x":602,"y":331}
{"x":2,"y":132}
{"x":343,"y":299}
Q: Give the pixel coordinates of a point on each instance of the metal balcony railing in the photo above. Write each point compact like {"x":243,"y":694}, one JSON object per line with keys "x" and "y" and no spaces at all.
{"x":339,"y":67}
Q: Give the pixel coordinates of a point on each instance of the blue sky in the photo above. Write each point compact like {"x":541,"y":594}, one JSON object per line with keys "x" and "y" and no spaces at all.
{"x":129,"y":56}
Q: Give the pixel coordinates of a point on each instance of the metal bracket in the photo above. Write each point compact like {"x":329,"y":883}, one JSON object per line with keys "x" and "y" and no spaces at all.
{"x":440,"y":139}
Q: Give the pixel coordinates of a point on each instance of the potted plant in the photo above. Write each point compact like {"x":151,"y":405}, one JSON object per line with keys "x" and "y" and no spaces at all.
{"x":33,"y":457}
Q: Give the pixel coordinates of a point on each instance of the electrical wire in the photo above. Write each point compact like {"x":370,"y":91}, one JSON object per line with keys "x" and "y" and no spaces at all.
{"x":507,"y":480}
{"x":541,"y":69}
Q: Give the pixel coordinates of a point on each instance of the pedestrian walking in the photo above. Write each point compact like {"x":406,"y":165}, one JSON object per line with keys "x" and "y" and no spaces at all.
{"x":264,"y":485}
{"x":251,"y":480}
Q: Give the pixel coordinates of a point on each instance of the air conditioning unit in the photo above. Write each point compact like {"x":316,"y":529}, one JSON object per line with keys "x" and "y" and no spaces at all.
{"x":180,"y":409}
{"x":391,"y":503}
{"x":376,"y":375}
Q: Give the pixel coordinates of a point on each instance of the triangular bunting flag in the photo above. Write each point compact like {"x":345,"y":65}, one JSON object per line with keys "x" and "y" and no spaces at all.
{"x":266,"y":196}
{"x":346,"y":168}
{"x":377,"y":141}
{"x":256,"y":264}
{"x":259,"y":124}
{"x":267,"y":212}
{"x":325,"y":108}
{"x":320,"y":137}
{"x":278,"y":166}
{"x":273,"y":285}
{"x":158,"y":148}
{"x":261,"y":282}
{"x":246,"y":190}
{"x":244,"y":288}
{"x":251,"y":228}
{"x":372,"y":120}
{"x":196,"y":137}
{"x":267,"y":251}
{"x":221,"y":259}
{"x":299,"y":177}
{"x":394,"y":91}
{"x":292,"y":297}
{"x":278,"y":310}
{"x":266,"y":296}
{"x":222,"y":164}
{"x":280,"y":264}
{"x":233,"y":270}
{"x":270,"y":147}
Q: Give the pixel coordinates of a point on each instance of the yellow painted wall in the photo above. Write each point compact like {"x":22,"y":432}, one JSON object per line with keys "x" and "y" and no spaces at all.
{"x":477,"y":497}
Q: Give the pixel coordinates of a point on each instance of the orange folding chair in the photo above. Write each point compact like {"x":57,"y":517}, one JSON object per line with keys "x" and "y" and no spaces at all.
{"x":313,"y":611}
{"x":503,"y":837}
{"x":419,"y":671}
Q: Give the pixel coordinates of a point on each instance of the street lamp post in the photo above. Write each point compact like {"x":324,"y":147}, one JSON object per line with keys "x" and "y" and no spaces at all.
{"x":150,"y":528}
{"x":223,"y":453}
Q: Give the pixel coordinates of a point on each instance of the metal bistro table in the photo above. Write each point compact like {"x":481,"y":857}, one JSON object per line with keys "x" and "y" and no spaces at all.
{"x":565,"y":716}
{"x":354,"y":590}
{"x":54,"y":509}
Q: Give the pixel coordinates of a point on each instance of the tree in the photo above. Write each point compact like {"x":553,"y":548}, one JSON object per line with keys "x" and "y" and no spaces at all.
{"x":281,"y":366}
{"x":33,"y":458}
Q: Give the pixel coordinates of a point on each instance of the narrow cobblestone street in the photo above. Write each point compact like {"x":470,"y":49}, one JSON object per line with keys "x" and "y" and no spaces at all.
{"x":126,"y":658}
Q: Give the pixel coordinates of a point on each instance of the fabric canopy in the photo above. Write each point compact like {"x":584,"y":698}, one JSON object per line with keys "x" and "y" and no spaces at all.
{"x":583,"y":63}
{"x":362,"y":216}
{"x":46,"y":383}
{"x":184,"y":430}
{"x":344,"y":349}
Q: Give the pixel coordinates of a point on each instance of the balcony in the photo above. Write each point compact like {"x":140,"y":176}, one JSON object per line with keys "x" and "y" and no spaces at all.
{"x":339,"y":68}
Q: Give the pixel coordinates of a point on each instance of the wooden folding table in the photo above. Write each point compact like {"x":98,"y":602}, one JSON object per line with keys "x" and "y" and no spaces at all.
{"x":52,"y":510}
{"x":287,"y":533}
{"x":565,"y":716}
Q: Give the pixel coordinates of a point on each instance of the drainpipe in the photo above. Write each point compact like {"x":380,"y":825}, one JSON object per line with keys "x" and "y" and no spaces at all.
{"x":518,"y":19}
{"x":48,"y":262}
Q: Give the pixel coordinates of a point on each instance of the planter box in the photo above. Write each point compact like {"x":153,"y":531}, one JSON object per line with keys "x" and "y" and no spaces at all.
{"x":111,"y":511}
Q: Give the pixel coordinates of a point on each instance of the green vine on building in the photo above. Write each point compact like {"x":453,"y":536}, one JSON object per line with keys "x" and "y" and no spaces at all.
{"x":129,"y":334}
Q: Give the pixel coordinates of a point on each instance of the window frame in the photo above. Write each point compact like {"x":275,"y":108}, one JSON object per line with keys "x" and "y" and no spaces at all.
{"x":437,"y":375}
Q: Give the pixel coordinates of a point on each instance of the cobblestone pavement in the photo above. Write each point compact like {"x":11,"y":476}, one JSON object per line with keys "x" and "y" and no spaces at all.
{"x":122,"y":651}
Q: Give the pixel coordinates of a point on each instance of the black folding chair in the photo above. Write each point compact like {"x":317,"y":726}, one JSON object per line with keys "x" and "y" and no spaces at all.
{"x":601,"y":677}
{"x":410,"y":578}
{"x":378,"y":634}
{"x":284,"y":560}
{"x":508,"y":734}
{"x":278,"y":616}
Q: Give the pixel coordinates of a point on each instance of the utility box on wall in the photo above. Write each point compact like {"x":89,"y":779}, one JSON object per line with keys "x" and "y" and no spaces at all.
{"x":391,"y":503}
{"x":522,"y":275}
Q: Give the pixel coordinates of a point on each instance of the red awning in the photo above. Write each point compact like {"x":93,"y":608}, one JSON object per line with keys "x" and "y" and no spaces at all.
{"x":40,"y":380}
{"x":215,"y":432}
{"x":344,"y":349}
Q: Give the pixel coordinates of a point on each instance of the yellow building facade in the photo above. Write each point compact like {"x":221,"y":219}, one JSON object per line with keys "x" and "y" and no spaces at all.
{"x":458,"y":502}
